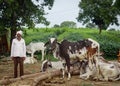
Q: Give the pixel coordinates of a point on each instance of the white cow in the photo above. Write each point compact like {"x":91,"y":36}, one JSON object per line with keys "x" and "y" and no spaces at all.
{"x":107,"y":71}
{"x":30,"y":60}
{"x":33,"y":47}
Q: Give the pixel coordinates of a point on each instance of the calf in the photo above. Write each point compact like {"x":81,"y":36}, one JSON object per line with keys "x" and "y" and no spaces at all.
{"x":46,"y":65}
{"x":30,"y":60}
{"x":68,"y":51}
{"x":33,"y":47}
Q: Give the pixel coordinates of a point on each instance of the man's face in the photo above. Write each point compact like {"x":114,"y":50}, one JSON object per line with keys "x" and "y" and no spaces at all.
{"x":18,"y":35}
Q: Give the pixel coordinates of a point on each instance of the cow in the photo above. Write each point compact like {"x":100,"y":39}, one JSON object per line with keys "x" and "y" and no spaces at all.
{"x":50,"y":65}
{"x":67,"y":51}
{"x":108,"y":70}
{"x":33,"y":47}
{"x":30,"y":60}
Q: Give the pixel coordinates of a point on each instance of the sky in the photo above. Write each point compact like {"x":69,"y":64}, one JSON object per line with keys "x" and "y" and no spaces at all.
{"x":63,"y":10}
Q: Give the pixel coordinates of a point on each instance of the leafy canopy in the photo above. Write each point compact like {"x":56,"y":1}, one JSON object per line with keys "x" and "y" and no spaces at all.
{"x":16,"y":13}
{"x":100,"y":12}
{"x":68,"y":24}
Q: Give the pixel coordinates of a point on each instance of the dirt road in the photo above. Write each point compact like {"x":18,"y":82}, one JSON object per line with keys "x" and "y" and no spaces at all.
{"x":6,"y":71}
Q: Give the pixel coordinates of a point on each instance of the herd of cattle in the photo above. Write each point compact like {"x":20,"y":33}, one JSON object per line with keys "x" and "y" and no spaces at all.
{"x":85,"y":54}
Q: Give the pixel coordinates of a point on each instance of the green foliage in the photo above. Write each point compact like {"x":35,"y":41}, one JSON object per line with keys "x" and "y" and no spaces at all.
{"x":117,"y":5}
{"x":56,"y":26}
{"x":101,"y":12}
{"x":74,"y":37}
{"x":68,"y":24}
{"x":59,"y":31}
{"x":47,"y":56}
{"x":40,"y":35}
{"x":109,"y":43}
{"x":91,"y":25}
{"x":110,"y":49}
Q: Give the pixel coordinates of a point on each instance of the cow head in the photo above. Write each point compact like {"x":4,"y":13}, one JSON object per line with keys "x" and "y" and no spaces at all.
{"x":52,"y":44}
{"x":87,"y":43}
{"x":45,"y":65}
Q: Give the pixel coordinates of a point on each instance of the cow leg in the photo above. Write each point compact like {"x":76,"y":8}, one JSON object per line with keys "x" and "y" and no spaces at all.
{"x":80,"y":68}
{"x":42,"y":55}
{"x":117,"y":78}
{"x":85,"y":76}
{"x":63,"y":69}
{"x":69,"y":75}
{"x":68,"y":68}
{"x":63,"y":73}
{"x":97,"y":67}
{"x":32,"y":54}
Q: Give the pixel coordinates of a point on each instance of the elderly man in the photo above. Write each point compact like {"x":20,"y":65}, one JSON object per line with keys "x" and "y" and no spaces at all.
{"x":18,"y":53}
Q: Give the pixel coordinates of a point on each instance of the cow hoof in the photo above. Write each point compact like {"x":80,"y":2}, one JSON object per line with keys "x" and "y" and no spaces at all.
{"x":61,"y":78}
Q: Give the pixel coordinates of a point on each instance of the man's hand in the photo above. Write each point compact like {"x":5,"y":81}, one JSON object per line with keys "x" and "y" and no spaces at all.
{"x":12,"y":58}
{"x":23,"y":58}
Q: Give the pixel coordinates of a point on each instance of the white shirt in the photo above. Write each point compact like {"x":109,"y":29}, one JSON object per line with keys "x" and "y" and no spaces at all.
{"x":18,"y":48}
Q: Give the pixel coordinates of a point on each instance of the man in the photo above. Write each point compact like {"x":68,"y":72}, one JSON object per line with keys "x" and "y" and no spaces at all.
{"x":18,"y":53}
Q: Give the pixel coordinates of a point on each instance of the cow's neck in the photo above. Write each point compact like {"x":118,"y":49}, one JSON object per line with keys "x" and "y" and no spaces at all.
{"x":56,"y":52}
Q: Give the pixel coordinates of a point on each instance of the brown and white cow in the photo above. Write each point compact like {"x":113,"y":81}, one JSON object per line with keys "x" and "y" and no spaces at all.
{"x":67,"y":51}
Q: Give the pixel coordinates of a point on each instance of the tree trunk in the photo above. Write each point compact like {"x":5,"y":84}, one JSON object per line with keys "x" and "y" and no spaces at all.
{"x":4,"y":44}
{"x":50,"y":75}
{"x":8,"y":81}
{"x":13,"y":24}
{"x":13,"y":33}
{"x":100,"y":29}
{"x":38,"y":77}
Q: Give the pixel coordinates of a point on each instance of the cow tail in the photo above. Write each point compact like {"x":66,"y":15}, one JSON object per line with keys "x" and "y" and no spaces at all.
{"x":98,"y":51}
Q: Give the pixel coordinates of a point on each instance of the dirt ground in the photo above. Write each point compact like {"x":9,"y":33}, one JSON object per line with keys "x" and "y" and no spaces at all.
{"x":6,"y":71}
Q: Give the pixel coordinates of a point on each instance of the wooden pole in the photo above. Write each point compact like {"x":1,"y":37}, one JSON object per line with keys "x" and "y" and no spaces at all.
{"x":50,"y":75}
{"x":8,"y":81}
{"x":45,"y":76}
{"x":38,"y":77}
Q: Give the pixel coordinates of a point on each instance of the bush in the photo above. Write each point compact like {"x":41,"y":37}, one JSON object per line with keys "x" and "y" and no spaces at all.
{"x":74,"y":37}
{"x":110,"y":49}
{"x":109,"y":45}
{"x":59,"y":31}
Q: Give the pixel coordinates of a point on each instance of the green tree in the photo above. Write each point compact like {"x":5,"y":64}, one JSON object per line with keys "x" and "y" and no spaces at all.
{"x":117,"y":5}
{"x":68,"y":24}
{"x":17,"y":13}
{"x":100,"y":12}
{"x":56,"y":26}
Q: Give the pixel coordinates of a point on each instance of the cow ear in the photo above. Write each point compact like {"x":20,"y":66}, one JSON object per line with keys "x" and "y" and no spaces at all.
{"x":46,"y":43}
{"x":58,"y":43}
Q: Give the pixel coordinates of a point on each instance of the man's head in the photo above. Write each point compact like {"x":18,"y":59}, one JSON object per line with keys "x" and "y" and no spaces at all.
{"x":19,"y":33}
